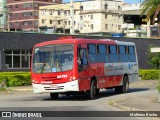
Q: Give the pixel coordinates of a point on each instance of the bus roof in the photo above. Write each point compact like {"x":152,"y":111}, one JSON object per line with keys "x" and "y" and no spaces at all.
{"x":83,"y":40}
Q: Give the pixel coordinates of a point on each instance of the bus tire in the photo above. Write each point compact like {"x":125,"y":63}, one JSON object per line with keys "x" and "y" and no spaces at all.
{"x":124,"y":88}
{"x":125,"y":84}
{"x":93,"y":90}
{"x":54,"y":96}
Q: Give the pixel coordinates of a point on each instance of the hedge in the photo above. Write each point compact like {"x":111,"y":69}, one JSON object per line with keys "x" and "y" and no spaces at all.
{"x":16,"y":78}
{"x":149,"y":74}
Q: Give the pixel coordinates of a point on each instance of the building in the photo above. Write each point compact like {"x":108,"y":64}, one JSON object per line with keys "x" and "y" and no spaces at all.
{"x":23,"y":14}
{"x":16,"y":48}
{"x":101,"y":16}
{"x":3,"y":15}
{"x":56,"y":18}
{"x":95,"y":16}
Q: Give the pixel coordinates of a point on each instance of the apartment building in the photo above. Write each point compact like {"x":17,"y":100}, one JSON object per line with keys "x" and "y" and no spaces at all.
{"x":23,"y":14}
{"x":2,"y":14}
{"x":96,"y":16}
{"x":101,"y":16}
{"x":56,"y":18}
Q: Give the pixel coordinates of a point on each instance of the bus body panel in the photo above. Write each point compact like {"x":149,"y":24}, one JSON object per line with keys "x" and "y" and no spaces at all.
{"x":107,"y":75}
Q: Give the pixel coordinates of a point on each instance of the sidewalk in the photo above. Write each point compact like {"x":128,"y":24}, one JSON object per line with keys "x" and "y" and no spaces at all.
{"x":144,"y":100}
{"x":21,"y":88}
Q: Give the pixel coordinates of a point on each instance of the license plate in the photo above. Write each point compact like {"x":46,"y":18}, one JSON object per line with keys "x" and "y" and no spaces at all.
{"x":54,"y":86}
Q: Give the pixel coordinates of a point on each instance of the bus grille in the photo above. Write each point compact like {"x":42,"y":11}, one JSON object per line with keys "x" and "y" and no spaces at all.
{"x":50,"y":78}
{"x":56,"y":88}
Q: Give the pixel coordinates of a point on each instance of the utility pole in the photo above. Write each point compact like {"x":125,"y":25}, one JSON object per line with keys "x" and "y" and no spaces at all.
{"x":71,"y":17}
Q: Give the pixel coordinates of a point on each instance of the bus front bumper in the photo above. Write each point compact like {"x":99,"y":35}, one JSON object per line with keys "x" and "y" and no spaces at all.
{"x":56,"y":88}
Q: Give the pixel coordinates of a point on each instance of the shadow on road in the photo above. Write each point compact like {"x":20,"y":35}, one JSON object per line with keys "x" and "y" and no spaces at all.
{"x":104,"y":93}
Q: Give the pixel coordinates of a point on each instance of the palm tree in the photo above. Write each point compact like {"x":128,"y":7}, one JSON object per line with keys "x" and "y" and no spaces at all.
{"x":150,"y":8}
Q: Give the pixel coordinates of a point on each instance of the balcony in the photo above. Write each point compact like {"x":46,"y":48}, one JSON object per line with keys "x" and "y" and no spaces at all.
{"x":100,"y":11}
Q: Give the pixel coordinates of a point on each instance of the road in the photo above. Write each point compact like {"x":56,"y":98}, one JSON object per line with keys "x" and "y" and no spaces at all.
{"x":28,"y":101}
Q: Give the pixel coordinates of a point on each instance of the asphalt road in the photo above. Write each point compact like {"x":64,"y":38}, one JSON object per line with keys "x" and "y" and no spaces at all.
{"x":28,"y":101}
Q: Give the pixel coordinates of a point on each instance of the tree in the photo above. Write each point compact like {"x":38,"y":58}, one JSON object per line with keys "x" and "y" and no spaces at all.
{"x":150,"y":8}
{"x":154,"y":58}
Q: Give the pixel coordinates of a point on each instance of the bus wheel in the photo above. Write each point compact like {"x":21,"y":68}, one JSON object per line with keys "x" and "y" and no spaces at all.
{"x":54,"y":96}
{"x":93,"y":90}
{"x":124,"y":88}
{"x":125,"y":84}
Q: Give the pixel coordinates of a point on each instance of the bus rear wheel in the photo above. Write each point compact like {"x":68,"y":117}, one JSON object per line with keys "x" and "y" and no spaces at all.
{"x":125,"y":87}
{"x":93,"y":90}
{"x":54,"y":96}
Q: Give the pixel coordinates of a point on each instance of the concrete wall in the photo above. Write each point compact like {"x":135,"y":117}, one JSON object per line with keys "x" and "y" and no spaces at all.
{"x":26,"y":41}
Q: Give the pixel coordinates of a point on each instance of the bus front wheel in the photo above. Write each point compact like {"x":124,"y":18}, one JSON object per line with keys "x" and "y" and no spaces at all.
{"x":54,"y":96}
{"x":93,"y":90}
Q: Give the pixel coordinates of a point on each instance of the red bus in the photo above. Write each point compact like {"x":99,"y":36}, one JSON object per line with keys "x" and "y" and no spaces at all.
{"x":79,"y":65}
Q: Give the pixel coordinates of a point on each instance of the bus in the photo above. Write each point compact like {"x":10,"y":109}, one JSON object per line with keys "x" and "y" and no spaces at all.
{"x":72,"y":65}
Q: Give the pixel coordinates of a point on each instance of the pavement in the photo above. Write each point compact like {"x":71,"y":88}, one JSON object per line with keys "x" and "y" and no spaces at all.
{"x":142,"y":96}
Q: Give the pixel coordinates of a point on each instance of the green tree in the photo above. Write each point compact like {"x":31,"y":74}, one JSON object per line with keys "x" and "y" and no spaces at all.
{"x":150,"y":8}
{"x":154,"y":58}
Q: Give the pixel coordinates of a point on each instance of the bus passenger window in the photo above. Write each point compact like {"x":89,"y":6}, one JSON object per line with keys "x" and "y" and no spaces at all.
{"x":92,"y":53}
{"x":131,"y":54}
{"x":102,"y":53}
{"x":123,"y":53}
{"x":113,"y":55}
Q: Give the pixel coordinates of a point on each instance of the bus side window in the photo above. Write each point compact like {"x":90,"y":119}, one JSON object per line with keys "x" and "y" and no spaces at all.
{"x":131,"y":54}
{"x":113,"y":55}
{"x":92,"y":56}
{"x":123,"y":53}
{"x":102,"y":53}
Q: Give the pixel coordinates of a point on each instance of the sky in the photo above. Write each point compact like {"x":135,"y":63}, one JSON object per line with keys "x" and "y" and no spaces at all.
{"x":127,"y":1}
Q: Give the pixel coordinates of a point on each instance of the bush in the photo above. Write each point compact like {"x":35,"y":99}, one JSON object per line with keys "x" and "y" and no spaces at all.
{"x":158,"y":88}
{"x":16,"y":78}
{"x":149,"y":74}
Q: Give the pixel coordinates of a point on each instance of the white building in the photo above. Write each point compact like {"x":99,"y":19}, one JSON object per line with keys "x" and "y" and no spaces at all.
{"x":97,"y":16}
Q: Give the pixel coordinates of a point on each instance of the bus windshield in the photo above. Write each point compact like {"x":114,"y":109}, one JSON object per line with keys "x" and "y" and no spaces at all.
{"x":53,"y":58}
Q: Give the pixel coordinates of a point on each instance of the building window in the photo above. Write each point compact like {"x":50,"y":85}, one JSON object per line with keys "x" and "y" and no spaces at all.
{"x":59,"y":12}
{"x":106,"y":26}
{"x":59,"y":22}
{"x":74,"y":22}
{"x":81,"y":8}
{"x":68,"y":22}
{"x":91,"y":26}
{"x":81,"y":28}
{"x":65,"y":22}
{"x":119,"y":27}
{"x":43,"y":21}
{"x":106,"y":16}
{"x":68,"y":12}
{"x":50,"y":21}
{"x":65,"y":13}
{"x":81,"y":17}
{"x":106,"y":6}
{"x":16,"y":6}
{"x":91,"y":16}
{"x":17,"y":58}
{"x":119,"y":7}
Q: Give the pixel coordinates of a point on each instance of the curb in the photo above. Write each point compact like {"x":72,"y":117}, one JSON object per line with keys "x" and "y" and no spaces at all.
{"x":113,"y":103}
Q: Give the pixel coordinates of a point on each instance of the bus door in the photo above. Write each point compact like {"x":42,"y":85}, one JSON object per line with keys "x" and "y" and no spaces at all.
{"x":83,"y":71}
